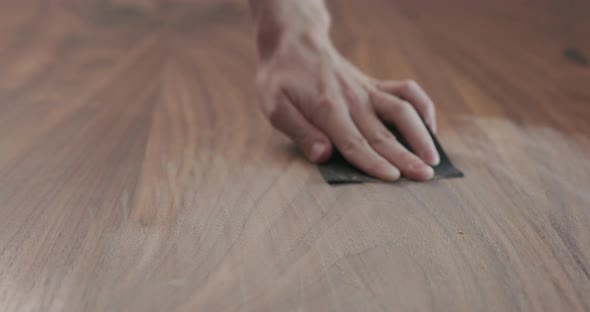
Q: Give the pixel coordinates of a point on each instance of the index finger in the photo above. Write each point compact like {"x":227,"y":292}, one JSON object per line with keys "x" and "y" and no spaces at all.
{"x":406,"y":119}
{"x":334,"y":120}
{"x":413,"y":93}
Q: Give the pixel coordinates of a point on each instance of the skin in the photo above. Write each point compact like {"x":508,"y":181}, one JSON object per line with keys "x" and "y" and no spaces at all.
{"x":321,"y":101}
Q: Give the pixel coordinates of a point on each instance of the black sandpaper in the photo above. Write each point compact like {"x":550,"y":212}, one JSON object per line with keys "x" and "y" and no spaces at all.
{"x":339,"y":171}
{"x":576,"y":56}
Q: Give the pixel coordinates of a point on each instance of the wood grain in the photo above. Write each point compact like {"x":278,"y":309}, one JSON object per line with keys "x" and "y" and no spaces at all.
{"x":136,"y":173}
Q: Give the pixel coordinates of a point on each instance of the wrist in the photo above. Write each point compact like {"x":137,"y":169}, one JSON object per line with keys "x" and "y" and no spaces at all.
{"x":279,"y":20}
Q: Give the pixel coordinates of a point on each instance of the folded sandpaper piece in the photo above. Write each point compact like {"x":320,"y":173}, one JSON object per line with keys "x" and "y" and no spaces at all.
{"x":339,"y":171}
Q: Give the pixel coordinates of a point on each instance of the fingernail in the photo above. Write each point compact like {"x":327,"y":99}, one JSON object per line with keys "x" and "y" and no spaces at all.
{"x":420,"y":166}
{"x":391,"y":173}
{"x":429,"y":172}
{"x":317,"y":149}
{"x":431,"y":157}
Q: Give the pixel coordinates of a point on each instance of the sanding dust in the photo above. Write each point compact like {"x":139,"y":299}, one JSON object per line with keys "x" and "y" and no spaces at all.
{"x":534,"y":156}
{"x":269,"y":230}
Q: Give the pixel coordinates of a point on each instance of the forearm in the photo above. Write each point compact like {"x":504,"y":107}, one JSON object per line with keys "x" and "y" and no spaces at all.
{"x":276,"y":19}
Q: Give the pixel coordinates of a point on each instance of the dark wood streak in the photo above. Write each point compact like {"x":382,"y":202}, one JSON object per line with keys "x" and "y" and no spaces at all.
{"x":137,"y":174}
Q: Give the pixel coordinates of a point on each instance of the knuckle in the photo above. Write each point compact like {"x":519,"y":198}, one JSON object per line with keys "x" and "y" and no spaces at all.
{"x":377,"y":166}
{"x":411,"y":84}
{"x":401,"y":107}
{"x":326,"y":105}
{"x":407,"y":159}
{"x":357,"y":100}
{"x":381,"y":137}
{"x":266,"y":105}
{"x":353,"y":145}
{"x":375,"y":97}
{"x":261,"y":80}
{"x":274,"y":111}
{"x":274,"y":116}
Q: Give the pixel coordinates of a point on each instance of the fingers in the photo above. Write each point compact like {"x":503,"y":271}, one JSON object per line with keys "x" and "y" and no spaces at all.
{"x":385,"y":143}
{"x":404,"y":116}
{"x":285,"y":117}
{"x":353,"y":126}
{"x":410,"y":91}
{"x":333,"y":118}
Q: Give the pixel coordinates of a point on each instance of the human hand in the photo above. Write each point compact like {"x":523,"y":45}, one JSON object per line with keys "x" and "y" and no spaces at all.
{"x":312,"y":94}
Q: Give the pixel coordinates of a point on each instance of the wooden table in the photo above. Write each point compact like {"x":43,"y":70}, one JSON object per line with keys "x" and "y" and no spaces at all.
{"x":137,"y":174}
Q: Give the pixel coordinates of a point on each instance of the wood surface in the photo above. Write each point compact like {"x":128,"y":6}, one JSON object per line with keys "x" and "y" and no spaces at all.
{"x":137,"y":174}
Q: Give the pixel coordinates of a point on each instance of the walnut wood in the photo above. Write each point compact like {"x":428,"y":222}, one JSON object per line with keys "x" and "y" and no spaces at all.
{"x":137,"y":174}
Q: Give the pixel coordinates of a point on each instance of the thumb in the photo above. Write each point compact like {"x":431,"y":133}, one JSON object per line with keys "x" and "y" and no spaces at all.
{"x":286,"y":118}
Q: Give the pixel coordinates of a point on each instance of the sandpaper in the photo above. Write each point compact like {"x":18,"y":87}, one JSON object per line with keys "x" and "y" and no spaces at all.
{"x":337,"y":170}
{"x":576,"y":56}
